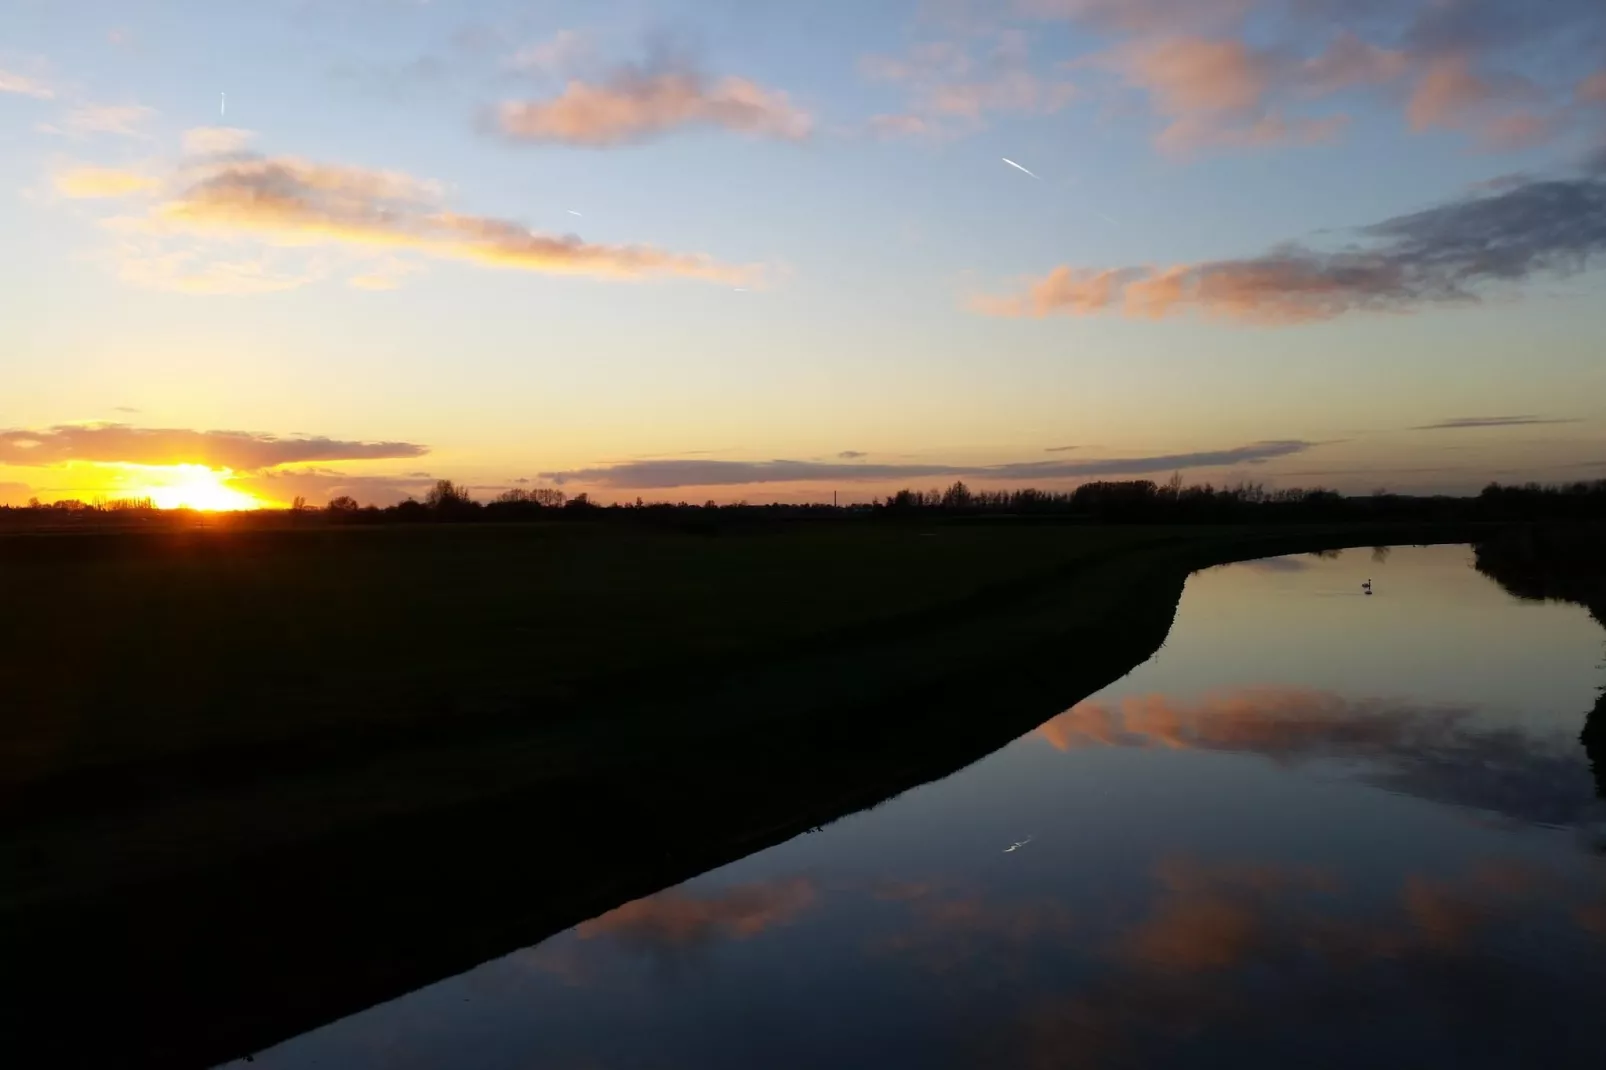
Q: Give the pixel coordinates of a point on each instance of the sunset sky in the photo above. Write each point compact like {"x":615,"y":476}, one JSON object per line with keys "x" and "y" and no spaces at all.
{"x":767,"y":251}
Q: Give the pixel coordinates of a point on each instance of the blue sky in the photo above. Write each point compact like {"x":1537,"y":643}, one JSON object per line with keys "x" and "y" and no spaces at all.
{"x":369,"y":246}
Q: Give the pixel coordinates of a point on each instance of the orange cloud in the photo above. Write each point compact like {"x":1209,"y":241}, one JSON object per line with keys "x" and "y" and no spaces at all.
{"x":1214,"y":91}
{"x":1440,"y":255}
{"x":240,"y":450}
{"x":293,"y":201}
{"x":635,"y":106}
{"x":1451,"y":95}
{"x":676,"y":918}
{"x":91,"y":182}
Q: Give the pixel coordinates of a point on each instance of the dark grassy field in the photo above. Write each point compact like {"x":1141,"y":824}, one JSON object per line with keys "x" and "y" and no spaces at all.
{"x":169,"y":643}
{"x":257,"y":779}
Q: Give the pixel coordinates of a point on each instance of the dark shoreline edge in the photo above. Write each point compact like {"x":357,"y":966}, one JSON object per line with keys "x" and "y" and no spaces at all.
{"x":196,"y":968}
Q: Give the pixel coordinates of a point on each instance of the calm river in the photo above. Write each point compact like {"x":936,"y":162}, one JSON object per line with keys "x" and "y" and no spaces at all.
{"x":1318,"y":828}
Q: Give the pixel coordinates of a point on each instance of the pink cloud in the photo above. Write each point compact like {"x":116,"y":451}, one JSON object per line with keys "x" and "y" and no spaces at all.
{"x":1445,"y":254}
{"x":634,"y":106}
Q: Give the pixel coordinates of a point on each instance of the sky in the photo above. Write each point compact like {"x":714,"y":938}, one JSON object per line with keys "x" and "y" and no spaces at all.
{"x":768,"y":252}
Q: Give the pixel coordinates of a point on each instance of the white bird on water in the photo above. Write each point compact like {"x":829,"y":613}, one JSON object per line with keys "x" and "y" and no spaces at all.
{"x":1018,"y":167}
{"x":1017,"y":845}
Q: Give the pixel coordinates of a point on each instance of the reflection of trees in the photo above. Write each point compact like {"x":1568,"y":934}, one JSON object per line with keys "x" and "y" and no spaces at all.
{"x":1432,"y":752}
{"x":1380,"y":554}
{"x":1565,"y":564}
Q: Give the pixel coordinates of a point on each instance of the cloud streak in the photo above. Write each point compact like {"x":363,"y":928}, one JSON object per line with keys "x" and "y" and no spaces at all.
{"x":1442,"y":255}
{"x":241,"y":450}
{"x":1456,"y":422}
{"x":82,"y":183}
{"x":662,"y":474}
{"x":289,"y":201}
{"x":22,"y":85}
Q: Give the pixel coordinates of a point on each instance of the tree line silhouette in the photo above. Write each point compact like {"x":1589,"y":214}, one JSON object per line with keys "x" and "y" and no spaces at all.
{"x":1562,"y":562}
{"x":1138,"y":501}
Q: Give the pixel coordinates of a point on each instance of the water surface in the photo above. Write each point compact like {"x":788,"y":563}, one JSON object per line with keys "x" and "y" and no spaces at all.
{"x":1317,"y":828}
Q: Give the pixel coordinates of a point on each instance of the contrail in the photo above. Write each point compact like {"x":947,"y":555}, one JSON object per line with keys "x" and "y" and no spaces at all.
{"x":1017,"y":166}
{"x":223,"y":105}
{"x":573,"y":212}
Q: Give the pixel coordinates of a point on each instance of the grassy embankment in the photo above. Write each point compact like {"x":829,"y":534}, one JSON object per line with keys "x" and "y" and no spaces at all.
{"x":255,"y":780}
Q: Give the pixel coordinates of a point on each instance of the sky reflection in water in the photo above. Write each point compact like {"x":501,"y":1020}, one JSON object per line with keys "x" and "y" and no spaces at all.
{"x":1317,"y":829}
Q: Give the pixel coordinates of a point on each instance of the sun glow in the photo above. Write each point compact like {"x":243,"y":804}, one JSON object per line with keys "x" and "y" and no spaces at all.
{"x":192,"y":486}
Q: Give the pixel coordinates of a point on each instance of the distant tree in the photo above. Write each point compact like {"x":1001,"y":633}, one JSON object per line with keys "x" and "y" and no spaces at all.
{"x":298,"y":504}
{"x":548,"y":497}
{"x":34,"y":503}
{"x":345,"y":503}
{"x":957,"y":496}
{"x":580,"y":503}
{"x":447,"y":498}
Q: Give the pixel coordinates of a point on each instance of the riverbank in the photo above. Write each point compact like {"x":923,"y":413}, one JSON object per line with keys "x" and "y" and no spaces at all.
{"x":194,"y":905}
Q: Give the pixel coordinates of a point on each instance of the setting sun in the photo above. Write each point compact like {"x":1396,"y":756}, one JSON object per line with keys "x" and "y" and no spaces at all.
{"x":193,"y":486}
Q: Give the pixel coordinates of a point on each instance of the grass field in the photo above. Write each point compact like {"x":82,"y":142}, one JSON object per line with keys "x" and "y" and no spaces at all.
{"x":122,"y":648}
{"x":268,"y":777}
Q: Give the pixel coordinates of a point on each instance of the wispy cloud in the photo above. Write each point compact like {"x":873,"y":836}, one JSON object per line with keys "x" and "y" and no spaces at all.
{"x":387,"y":275}
{"x":559,"y":54}
{"x":123,"y":120}
{"x":193,"y":271}
{"x":321,"y":484}
{"x":21,"y":84}
{"x":660,"y":474}
{"x":99,"y":182}
{"x":950,"y":91}
{"x":1489,"y":421}
{"x":216,"y":140}
{"x":1446,"y":254}
{"x":1497,"y":109}
{"x":1243,"y":72}
{"x":1215,"y":91}
{"x":638,"y":103}
{"x":851,"y":455}
{"x":228,"y":193}
{"x":242,"y":450}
